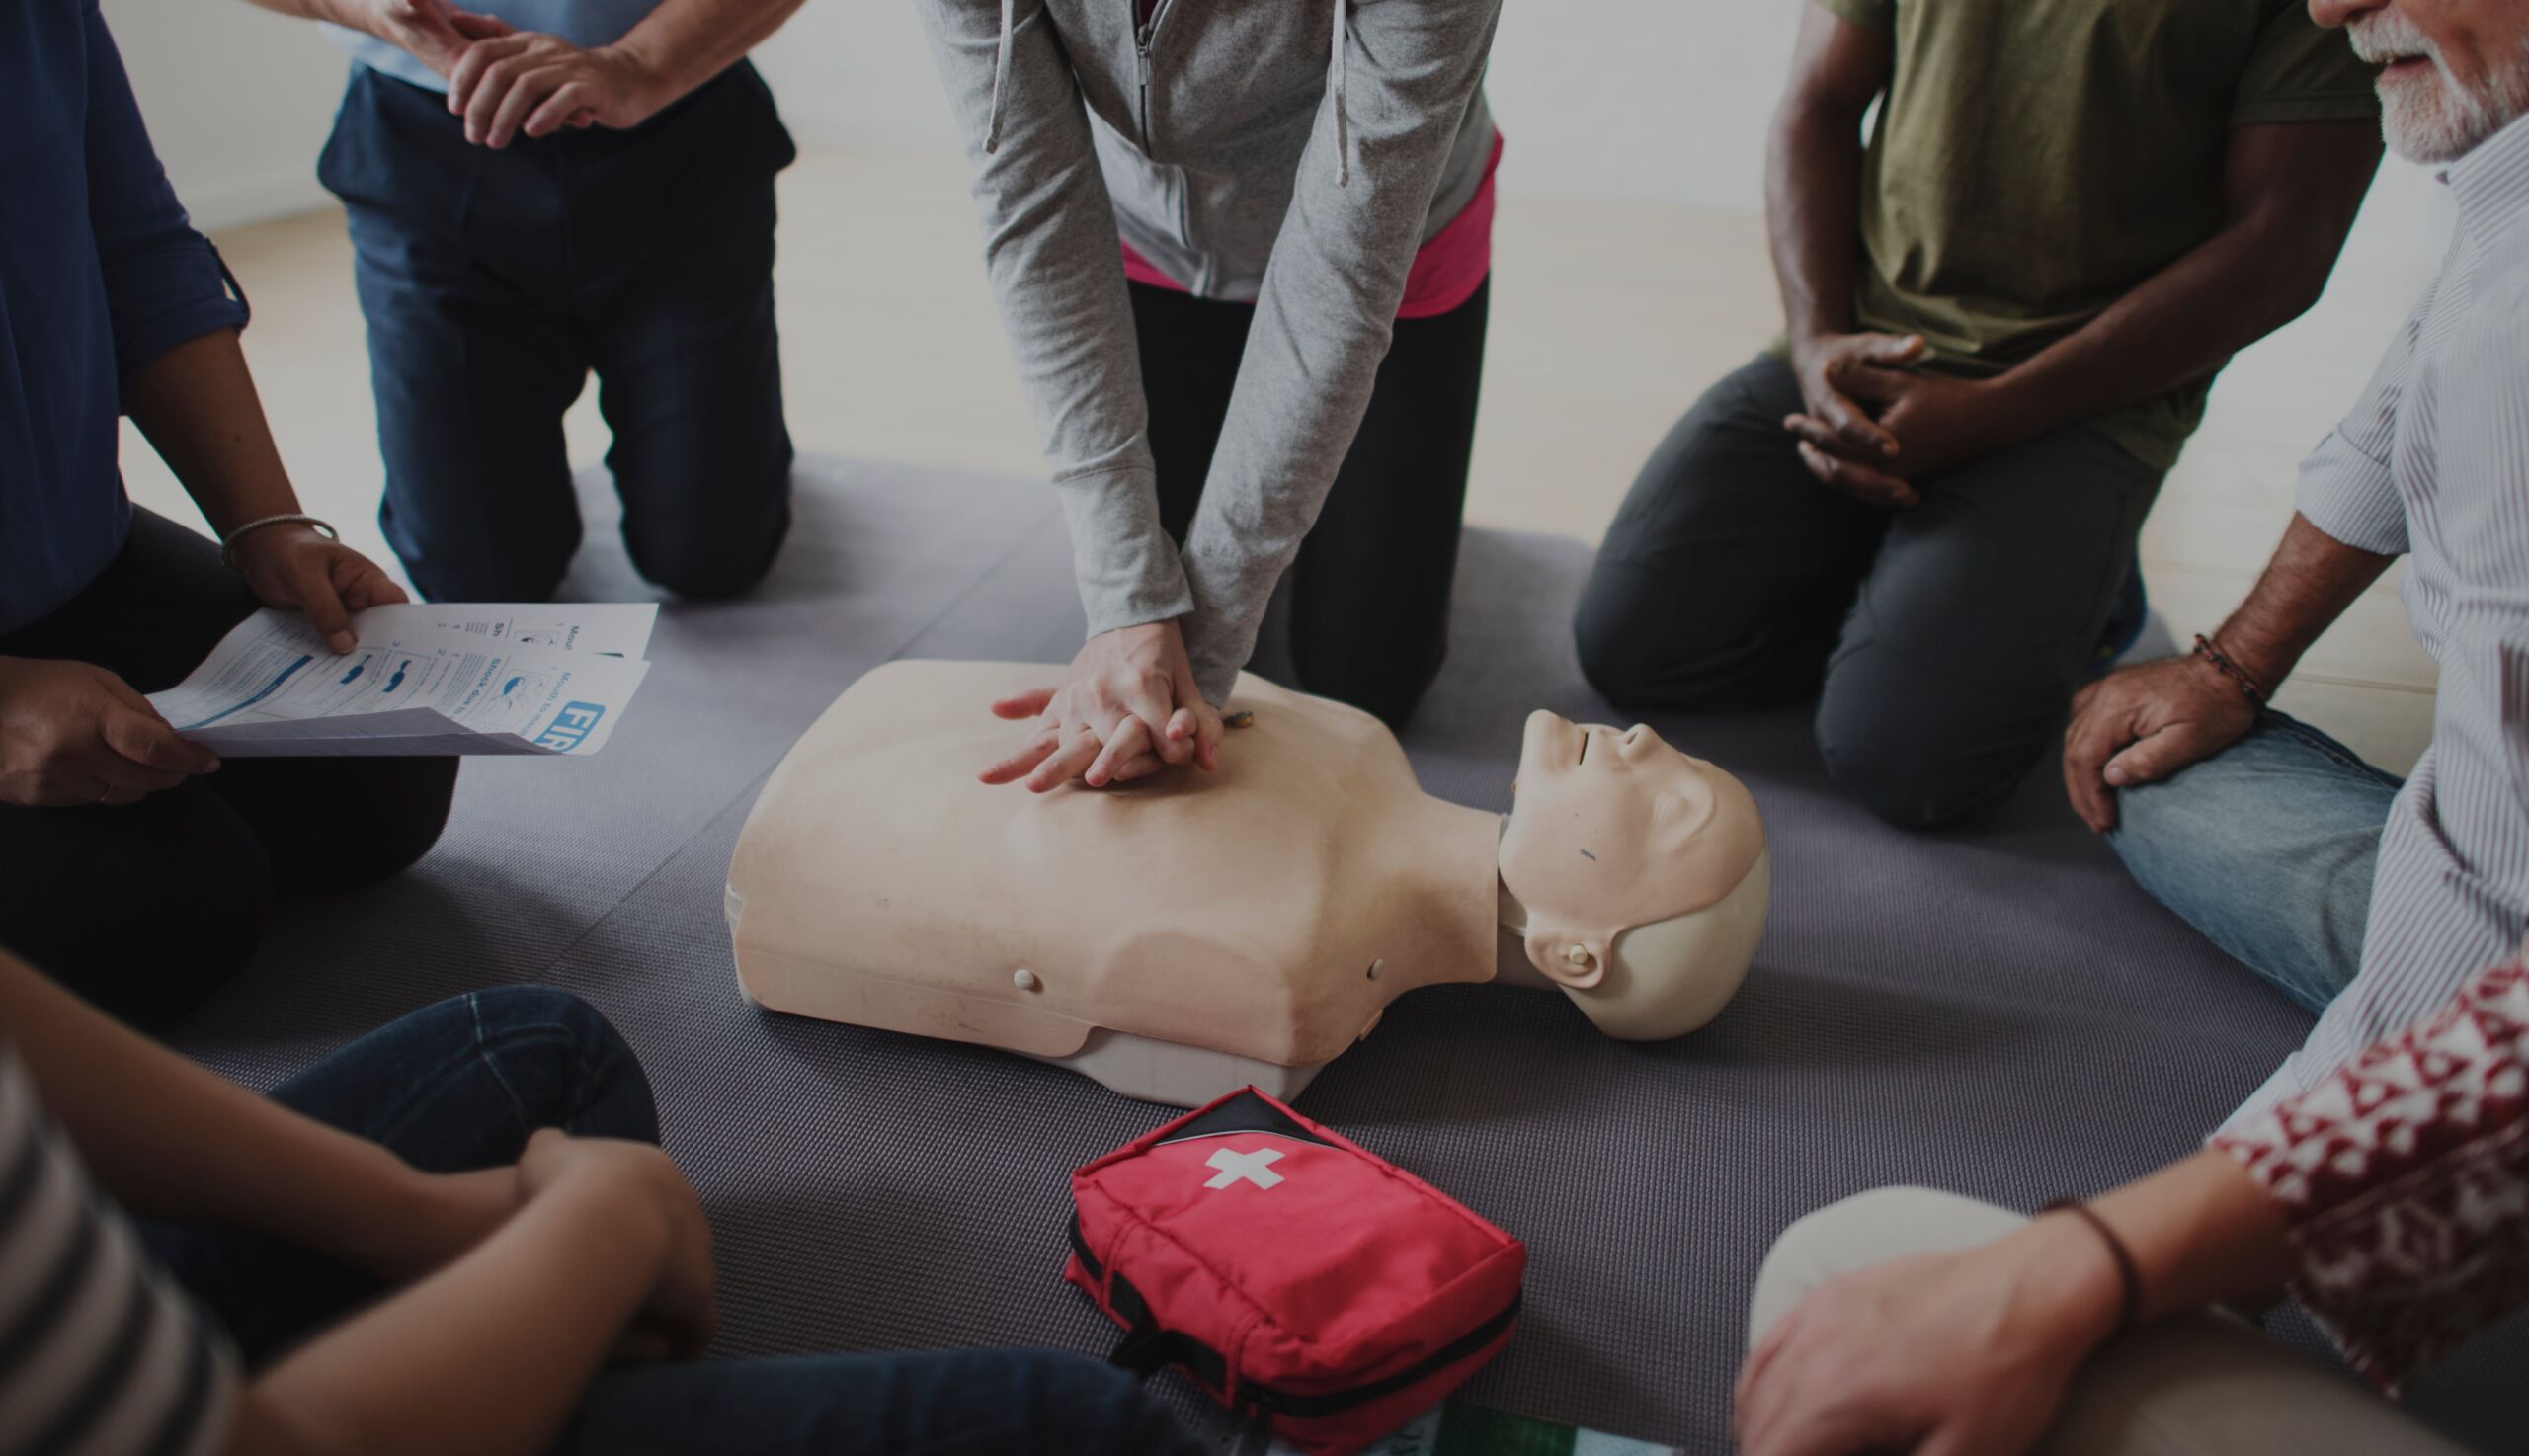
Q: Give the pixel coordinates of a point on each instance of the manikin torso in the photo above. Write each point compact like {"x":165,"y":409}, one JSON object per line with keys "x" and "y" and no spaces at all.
{"x":1179,"y":936}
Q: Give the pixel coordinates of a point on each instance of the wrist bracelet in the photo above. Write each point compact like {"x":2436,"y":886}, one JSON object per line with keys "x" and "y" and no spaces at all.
{"x":228,"y":542}
{"x":2129,"y":1278}
{"x":2222,"y":664}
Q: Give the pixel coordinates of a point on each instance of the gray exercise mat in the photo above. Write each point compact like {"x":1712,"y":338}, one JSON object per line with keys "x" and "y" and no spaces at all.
{"x":1999,"y":1011}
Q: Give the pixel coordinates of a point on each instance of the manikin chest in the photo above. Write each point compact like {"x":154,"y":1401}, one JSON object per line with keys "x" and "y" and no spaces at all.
{"x":1251,"y":922}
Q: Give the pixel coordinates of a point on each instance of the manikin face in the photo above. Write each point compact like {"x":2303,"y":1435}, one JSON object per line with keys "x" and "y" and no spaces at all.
{"x":1612,"y":828}
{"x":2453,"y":72}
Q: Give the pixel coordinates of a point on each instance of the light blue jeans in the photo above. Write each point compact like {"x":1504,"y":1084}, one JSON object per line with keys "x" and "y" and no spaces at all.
{"x":2268,"y":849}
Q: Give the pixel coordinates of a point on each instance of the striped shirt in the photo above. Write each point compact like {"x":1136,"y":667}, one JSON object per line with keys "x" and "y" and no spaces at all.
{"x":2433,"y":463}
{"x":99,"y":1355}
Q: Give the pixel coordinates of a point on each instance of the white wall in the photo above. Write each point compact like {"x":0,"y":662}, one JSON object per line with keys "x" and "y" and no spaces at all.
{"x":1646,"y":100}
{"x":238,"y":100}
{"x":1643,"y":100}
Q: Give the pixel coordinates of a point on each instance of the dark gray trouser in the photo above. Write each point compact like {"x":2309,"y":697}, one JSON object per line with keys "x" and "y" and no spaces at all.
{"x":1942,"y":642}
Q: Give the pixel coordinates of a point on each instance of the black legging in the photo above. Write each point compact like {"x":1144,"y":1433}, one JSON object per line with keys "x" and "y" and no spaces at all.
{"x":1370,"y":594}
{"x":145,"y":909}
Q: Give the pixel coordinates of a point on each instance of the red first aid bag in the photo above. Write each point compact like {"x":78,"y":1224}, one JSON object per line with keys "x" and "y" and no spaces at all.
{"x":1304,"y":1282}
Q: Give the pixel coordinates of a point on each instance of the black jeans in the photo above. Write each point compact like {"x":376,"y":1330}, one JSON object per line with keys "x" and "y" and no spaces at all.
{"x":461,"y":1085}
{"x":1370,"y":594}
{"x":493,"y":284}
{"x":1943,"y":643}
{"x":146,"y":909}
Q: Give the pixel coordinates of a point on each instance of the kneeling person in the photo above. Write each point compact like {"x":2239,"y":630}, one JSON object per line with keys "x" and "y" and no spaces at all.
{"x":128,"y":867}
{"x":555,"y":187}
{"x":1922,"y":508}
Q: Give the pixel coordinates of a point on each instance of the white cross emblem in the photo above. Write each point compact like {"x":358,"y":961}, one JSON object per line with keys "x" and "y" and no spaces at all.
{"x":1255,"y":1168}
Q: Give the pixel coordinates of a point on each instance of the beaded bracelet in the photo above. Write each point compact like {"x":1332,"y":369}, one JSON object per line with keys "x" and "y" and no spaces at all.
{"x":2222,"y":664}
{"x":228,"y":542}
{"x":2129,"y":1278}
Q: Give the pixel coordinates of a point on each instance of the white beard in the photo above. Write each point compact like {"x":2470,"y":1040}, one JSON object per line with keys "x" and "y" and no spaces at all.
{"x":2429,"y":117}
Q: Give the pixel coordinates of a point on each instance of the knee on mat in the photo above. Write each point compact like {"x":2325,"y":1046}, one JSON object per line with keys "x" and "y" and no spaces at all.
{"x":405,"y":816}
{"x":1903,"y":762}
{"x":1611,"y":642}
{"x":1842,"y":1236}
{"x":151,"y":970}
{"x":1637,"y":659}
{"x":2169,"y":831}
{"x":699,"y":575}
{"x":716,"y":553}
{"x":564,"y":1063}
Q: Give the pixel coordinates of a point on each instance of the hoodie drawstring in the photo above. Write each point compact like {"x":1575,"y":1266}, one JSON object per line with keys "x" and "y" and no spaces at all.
{"x":1000,"y":73}
{"x":1342,"y":126}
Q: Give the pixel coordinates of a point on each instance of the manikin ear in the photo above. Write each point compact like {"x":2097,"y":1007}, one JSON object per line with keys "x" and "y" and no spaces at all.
{"x":1569,"y":957}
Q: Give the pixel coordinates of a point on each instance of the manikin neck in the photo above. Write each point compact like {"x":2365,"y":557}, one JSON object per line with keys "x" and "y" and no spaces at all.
{"x":1511,"y":964}
{"x":1451,"y":864}
{"x":1445,"y":865}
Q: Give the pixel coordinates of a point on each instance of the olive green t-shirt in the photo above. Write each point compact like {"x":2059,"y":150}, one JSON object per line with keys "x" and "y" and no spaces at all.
{"x":2035,"y":159}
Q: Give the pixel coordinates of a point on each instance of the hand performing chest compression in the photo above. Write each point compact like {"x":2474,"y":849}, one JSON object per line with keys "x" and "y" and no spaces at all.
{"x":1127,"y":708}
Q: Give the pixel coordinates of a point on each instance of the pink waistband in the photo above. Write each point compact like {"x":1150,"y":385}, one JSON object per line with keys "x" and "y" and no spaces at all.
{"x":1446,"y":271}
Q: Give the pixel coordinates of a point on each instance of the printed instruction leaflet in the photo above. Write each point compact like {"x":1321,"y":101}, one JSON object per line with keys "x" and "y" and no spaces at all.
{"x":427,"y":677}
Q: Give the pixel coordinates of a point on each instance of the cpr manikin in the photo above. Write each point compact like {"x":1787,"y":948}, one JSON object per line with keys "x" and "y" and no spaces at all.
{"x":1193,"y":933}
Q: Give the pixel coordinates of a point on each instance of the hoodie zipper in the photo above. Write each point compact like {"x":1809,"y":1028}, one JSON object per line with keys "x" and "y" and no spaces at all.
{"x":1144,"y":31}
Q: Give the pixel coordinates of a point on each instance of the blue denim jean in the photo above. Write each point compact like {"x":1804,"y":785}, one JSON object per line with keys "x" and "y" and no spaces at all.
{"x":495,"y":282}
{"x":2268,"y":849}
{"x":460,"y":1084}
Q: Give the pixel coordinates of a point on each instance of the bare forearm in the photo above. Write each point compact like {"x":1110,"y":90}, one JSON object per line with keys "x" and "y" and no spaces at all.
{"x":1813,"y":186}
{"x":2178,"y":325}
{"x":171,"y":1140}
{"x":685,"y":43}
{"x":2306,"y":585}
{"x":2291,"y":192}
{"x":198,"y":407}
{"x":2200,"y":1231}
{"x":488,"y":1355}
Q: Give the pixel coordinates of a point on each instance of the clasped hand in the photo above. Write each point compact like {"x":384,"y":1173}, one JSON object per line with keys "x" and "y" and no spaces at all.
{"x":625,"y":1188}
{"x":508,"y":83}
{"x":1127,"y":708}
{"x":1874,"y":424}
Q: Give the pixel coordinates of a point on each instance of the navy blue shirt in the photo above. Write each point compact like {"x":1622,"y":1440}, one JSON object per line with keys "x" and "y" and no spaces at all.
{"x":100,"y":274}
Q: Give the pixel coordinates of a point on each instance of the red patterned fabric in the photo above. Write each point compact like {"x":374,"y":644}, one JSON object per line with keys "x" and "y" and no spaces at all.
{"x":2405,"y":1180}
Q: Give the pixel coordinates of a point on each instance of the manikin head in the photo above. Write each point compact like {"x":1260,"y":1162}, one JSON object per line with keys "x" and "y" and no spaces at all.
{"x":1640,"y":872}
{"x":2453,"y":72}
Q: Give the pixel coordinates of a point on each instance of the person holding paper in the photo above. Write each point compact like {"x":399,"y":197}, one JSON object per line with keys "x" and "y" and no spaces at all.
{"x":133,"y":866}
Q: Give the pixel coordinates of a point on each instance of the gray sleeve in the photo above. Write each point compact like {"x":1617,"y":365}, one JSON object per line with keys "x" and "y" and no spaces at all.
{"x":1050,"y":251}
{"x":1327,"y":308}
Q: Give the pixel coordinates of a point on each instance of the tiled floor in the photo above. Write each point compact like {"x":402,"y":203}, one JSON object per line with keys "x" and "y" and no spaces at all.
{"x":1607,"y":318}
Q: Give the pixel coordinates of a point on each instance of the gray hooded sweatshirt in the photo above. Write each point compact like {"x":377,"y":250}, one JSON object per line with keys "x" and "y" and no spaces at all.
{"x":1294,"y":153}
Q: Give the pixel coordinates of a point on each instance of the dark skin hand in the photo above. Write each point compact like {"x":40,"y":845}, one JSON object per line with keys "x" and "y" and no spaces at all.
{"x":2142,"y":724}
{"x":1876,"y":426}
{"x":1812,"y":193}
{"x":75,"y":734}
